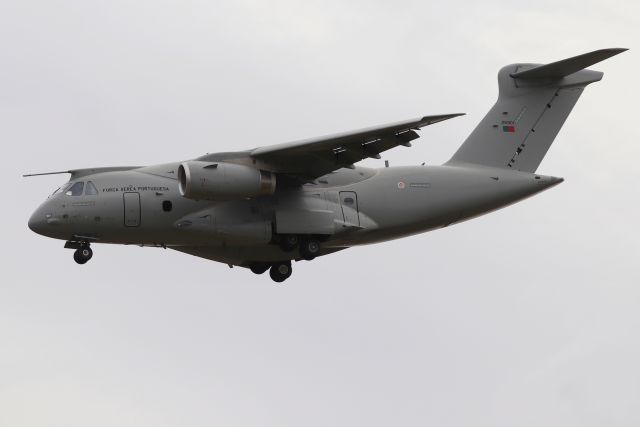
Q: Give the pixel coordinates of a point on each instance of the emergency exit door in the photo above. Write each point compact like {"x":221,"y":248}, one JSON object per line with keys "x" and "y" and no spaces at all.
{"x":349,"y":203}
{"x":131,"y":209}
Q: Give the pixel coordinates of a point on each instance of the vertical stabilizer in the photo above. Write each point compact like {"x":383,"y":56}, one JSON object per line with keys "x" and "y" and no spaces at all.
{"x":533,"y":103}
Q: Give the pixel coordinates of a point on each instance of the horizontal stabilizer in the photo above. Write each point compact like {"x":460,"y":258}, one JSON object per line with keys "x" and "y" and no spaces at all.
{"x":560,"y":69}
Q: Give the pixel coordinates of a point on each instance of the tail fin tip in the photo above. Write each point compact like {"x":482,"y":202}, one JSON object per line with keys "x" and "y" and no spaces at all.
{"x":565,"y":67}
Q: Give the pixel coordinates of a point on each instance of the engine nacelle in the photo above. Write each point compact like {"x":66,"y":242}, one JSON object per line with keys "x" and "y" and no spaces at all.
{"x":223,"y":181}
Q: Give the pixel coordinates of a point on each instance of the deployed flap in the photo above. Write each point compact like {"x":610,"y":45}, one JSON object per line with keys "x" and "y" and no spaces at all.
{"x":315,"y":157}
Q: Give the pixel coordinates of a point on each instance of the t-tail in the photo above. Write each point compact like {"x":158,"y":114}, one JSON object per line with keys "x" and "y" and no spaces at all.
{"x":533,"y":103}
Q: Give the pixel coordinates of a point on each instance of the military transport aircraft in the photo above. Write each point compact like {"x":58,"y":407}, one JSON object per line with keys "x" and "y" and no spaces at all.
{"x":265,"y":207}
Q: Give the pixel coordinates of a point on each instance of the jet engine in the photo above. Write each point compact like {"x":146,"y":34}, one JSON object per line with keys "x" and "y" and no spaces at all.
{"x":223,"y":181}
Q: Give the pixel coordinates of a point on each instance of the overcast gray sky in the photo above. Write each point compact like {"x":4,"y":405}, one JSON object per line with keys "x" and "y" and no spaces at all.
{"x":528,"y":316}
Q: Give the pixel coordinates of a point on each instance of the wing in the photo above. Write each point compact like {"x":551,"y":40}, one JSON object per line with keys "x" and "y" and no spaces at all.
{"x":78,"y":173}
{"x":316,"y":157}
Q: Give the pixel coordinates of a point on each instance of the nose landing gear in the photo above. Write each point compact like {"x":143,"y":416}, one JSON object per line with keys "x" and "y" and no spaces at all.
{"x":82,"y":254}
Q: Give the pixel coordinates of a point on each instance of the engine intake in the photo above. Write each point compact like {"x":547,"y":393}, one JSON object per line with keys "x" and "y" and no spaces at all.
{"x":223,"y":181}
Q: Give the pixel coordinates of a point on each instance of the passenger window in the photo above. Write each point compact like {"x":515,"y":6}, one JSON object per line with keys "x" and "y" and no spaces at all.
{"x":91,"y":189}
{"x":167,"y":206}
{"x":76,"y":189}
{"x":348,"y":200}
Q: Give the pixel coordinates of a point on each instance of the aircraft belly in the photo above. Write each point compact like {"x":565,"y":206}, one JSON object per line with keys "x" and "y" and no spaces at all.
{"x":242,"y":255}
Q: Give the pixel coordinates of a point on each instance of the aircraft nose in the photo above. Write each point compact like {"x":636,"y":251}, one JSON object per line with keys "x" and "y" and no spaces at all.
{"x":38,"y":222}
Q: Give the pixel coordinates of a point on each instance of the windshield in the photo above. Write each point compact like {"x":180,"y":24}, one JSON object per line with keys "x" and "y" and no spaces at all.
{"x":75,"y":190}
{"x":61,"y":189}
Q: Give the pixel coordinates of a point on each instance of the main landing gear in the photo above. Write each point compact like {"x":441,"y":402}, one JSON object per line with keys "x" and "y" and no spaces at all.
{"x":308,"y":246}
{"x":279,"y":271}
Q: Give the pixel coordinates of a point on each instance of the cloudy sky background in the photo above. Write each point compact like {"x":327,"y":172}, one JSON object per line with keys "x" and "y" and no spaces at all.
{"x":528,"y":316}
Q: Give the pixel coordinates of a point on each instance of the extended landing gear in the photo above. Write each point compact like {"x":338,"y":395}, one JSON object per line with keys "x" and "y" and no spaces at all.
{"x":308,"y":245}
{"x":82,"y":254}
{"x":289,"y":242}
{"x":280,"y":271}
{"x":259,"y":268}
{"x":309,"y":249}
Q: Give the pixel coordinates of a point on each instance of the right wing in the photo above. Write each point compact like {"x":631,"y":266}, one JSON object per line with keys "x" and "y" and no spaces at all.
{"x":316,"y":157}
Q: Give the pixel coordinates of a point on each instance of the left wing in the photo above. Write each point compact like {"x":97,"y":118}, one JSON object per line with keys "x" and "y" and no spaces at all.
{"x":315,"y":157}
{"x":78,"y":173}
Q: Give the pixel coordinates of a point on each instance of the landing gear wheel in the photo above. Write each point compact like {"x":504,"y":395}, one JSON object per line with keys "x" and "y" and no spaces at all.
{"x":280,"y":271}
{"x":309,"y":249}
{"x":259,"y":268}
{"x":82,"y":255}
{"x":289,"y":242}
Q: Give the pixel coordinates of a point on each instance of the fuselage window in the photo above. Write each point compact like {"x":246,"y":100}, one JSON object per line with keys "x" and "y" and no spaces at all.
{"x":76,"y":189}
{"x":167,"y":206}
{"x":91,"y":189}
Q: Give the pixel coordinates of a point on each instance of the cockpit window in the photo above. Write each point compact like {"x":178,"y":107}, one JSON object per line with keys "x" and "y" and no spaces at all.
{"x":76,"y":189}
{"x":60,"y":189}
{"x":91,"y":189}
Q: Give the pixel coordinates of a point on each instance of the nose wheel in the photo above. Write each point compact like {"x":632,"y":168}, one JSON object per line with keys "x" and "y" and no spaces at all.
{"x":82,"y":254}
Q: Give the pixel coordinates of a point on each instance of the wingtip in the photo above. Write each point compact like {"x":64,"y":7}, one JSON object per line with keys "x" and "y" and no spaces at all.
{"x":45,"y":173}
{"x":443,"y":117}
{"x":612,"y":51}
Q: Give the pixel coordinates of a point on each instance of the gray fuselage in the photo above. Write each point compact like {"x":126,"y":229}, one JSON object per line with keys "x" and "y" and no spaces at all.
{"x":349,"y":207}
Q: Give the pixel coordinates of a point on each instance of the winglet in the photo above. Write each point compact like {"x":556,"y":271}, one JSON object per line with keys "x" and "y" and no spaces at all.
{"x":560,"y":69}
